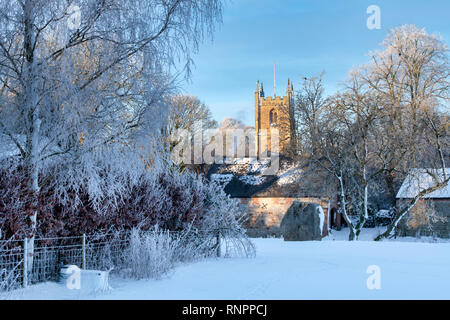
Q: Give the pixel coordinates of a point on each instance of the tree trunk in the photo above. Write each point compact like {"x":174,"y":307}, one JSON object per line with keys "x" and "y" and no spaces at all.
{"x":365,"y":215}
{"x":30,"y":104}
{"x":389,"y":180}
{"x":352,"y":234}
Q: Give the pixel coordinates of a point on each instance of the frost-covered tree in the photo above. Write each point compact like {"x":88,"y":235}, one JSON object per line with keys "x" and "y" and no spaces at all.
{"x":188,"y":124}
{"x":389,"y":120}
{"x":186,"y":112}
{"x":343,"y":150}
{"x":310,"y":101}
{"x":77,"y":91}
{"x":237,"y":138}
{"x":411,"y":75}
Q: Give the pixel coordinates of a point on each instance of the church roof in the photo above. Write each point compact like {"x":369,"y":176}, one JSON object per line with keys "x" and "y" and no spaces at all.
{"x":244,"y":178}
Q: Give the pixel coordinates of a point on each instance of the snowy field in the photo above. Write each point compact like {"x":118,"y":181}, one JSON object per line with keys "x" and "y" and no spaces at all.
{"x":330,"y":269}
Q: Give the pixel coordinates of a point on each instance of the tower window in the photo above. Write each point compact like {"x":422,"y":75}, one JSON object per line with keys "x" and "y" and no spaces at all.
{"x":273,"y":117}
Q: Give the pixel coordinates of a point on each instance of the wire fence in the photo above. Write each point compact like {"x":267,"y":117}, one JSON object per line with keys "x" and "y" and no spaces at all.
{"x":11,"y":264}
{"x":25,"y":262}
{"x":22,"y":264}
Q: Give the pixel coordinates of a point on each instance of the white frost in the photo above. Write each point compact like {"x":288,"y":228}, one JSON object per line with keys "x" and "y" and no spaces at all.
{"x":222,"y":178}
{"x":252,"y":180}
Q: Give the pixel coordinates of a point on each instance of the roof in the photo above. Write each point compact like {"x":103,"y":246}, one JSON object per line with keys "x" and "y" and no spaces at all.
{"x":244,"y":178}
{"x":419,"y":180}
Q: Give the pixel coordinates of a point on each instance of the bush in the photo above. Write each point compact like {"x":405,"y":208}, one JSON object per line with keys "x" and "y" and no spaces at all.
{"x":173,"y":216}
{"x":172,"y":200}
{"x":151,"y":254}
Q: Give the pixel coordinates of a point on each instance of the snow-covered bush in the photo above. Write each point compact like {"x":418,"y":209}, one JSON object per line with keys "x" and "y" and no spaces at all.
{"x":174,"y":200}
{"x":223,"y":223}
{"x":150,"y":254}
{"x":154,"y":252}
{"x":203,"y":214}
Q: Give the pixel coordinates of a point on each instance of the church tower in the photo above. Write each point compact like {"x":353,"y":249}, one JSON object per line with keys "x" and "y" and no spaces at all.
{"x":274,"y":113}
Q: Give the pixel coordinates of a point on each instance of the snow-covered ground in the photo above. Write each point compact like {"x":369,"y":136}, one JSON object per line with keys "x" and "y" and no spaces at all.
{"x":368,"y":234}
{"x":330,"y":269}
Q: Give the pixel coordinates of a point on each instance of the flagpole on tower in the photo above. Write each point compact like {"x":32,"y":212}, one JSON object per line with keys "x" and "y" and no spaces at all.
{"x":274,"y":80}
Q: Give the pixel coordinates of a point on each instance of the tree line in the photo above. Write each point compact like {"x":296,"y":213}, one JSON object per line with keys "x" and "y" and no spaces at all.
{"x":390,"y":118}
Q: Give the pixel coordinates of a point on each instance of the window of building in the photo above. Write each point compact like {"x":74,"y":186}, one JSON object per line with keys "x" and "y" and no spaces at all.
{"x":273,"y":117}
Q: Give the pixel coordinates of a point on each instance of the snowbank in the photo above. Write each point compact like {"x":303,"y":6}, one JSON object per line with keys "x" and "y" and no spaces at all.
{"x":292,"y":270}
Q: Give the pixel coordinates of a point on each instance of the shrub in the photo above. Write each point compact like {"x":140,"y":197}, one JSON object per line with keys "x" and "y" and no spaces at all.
{"x":206,"y":220}
{"x":150,"y":254}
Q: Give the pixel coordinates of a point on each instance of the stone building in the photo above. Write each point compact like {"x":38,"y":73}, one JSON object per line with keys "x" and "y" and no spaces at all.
{"x":267,"y":198}
{"x":274,"y":113}
{"x":431,"y":215}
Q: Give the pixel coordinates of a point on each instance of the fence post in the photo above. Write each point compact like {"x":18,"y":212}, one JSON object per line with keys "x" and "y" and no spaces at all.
{"x":25,"y":263}
{"x":83,"y":258}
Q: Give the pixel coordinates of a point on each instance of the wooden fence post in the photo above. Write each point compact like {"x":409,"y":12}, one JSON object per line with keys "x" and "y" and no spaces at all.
{"x":25,"y":263}
{"x":83,"y":258}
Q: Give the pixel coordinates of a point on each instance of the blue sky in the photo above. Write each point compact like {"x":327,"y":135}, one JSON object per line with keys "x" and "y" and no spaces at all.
{"x":305,"y":37}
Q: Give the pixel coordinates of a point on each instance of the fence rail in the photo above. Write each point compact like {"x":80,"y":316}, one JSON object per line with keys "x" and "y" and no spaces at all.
{"x":48,"y":255}
{"x":24,"y":262}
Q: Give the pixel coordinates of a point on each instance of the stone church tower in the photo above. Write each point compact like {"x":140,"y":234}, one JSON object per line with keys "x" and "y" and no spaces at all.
{"x":274,"y":112}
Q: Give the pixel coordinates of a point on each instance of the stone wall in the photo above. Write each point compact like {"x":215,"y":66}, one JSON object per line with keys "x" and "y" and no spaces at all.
{"x":265,"y":214}
{"x":417,"y":222}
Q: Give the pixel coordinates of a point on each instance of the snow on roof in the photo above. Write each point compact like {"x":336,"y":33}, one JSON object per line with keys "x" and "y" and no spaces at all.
{"x":251,"y":165}
{"x":245,"y":178}
{"x":222,"y":178}
{"x":419,"y":180}
{"x":251,"y":172}
{"x":291,"y":174}
{"x":252,"y":180}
